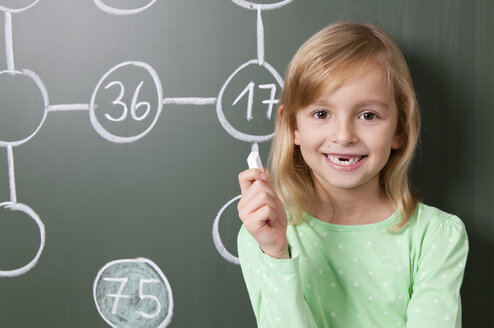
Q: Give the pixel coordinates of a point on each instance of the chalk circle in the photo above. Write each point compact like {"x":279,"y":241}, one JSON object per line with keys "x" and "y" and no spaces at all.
{"x":145,"y":298}
{"x":263,"y":6}
{"x":10,"y":74}
{"x":217,"y":238}
{"x":121,"y":11}
{"x":27,"y":4}
{"x":219,"y":106}
{"x":98,"y":126}
{"x":27,"y":210}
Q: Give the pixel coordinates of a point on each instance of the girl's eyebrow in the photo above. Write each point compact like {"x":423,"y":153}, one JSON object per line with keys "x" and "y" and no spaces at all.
{"x":384,"y":104}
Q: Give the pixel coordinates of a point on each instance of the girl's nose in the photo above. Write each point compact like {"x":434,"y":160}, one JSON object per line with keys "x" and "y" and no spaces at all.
{"x":343,"y":133}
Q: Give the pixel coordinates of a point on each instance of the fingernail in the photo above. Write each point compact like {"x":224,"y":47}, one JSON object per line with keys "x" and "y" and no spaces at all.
{"x":263,"y":176}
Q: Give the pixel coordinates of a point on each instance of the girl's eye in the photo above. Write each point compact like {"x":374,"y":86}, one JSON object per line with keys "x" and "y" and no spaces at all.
{"x":368,"y":116}
{"x":320,"y":114}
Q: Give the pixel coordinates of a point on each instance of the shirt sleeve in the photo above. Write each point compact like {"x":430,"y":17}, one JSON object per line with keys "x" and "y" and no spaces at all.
{"x":435,"y":299}
{"x":274,"y":286}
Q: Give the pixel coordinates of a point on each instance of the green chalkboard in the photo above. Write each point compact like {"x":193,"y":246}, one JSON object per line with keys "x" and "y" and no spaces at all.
{"x":124,"y":124}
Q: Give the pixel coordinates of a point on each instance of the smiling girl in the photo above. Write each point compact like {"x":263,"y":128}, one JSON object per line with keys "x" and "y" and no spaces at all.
{"x":336,"y":238}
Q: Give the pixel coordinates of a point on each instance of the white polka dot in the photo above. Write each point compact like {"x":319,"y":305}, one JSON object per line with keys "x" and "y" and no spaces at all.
{"x":271,"y":265}
{"x":286,"y":278}
{"x":420,"y":211}
{"x":340,"y":246}
{"x":450,"y":240}
{"x":264,"y":276}
{"x":325,"y":234}
{"x":400,"y":296}
{"x":369,"y":243}
{"x":385,"y":285}
{"x":355,"y":284}
{"x":398,"y":241}
{"x":435,"y":300}
{"x":308,"y":285}
{"x":319,"y":298}
{"x":276,"y":289}
{"x":320,"y":271}
{"x":277,"y":319}
{"x":371,"y":298}
{"x":446,"y":318}
{"x":340,"y":271}
{"x":399,"y":268}
{"x":333,"y":314}
{"x":383,"y":257}
{"x":443,"y":276}
{"x":355,"y":260}
{"x":423,"y":274}
{"x":385,"y":313}
{"x":311,"y":222}
{"x":359,"y":315}
{"x":250,"y":243}
{"x":315,"y":244}
{"x":370,"y":273}
{"x":433,"y":246}
{"x":333,"y":284}
{"x":300,"y":233}
{"x":417,"y":310}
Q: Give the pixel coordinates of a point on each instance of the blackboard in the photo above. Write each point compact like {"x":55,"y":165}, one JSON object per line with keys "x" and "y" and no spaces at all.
{"x":124,"y":124}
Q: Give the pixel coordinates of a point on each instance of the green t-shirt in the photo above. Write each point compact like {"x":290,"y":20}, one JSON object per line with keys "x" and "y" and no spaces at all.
{"x":360,"y":275}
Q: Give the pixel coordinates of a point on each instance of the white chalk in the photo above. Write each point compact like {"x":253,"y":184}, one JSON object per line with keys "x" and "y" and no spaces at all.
{"x":254,"y":161}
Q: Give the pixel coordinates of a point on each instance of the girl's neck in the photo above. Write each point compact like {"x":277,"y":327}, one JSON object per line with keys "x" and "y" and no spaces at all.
{"x":353,"y":206}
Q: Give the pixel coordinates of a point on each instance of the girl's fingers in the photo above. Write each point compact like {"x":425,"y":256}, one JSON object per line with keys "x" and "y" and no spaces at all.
{"x":247,"y":178}
{"x":259,"y":200}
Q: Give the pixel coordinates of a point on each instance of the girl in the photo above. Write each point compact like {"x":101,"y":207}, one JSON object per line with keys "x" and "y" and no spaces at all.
{"x":336,"y":238}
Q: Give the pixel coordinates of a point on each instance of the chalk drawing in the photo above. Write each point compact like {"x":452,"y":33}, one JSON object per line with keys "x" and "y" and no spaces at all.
{"x":120,"y":11}
{"x":133,"y":293}
{"x":27,"y":210}
{"x":17,"y":10}
{"x":99,"y":126}
{"x":260,"y":37}
{"x":264,"y":6}
{"x":250,"y":90}
{"x":35,"y":78}
{"x":216,"y":234}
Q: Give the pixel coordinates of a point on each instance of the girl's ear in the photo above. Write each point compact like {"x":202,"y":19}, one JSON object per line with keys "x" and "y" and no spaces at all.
{"x":397,"y":141}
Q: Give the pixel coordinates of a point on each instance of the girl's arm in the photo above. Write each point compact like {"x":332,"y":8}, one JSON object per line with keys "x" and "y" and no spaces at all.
{"x":270,"y":270}
{"x":435,"y":300}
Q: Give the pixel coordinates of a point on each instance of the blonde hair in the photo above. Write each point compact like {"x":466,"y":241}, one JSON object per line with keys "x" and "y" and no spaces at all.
{"x":334,"y":55}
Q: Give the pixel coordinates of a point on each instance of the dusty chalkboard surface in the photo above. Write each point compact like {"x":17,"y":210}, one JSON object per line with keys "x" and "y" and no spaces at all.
{"x":124,"y":124}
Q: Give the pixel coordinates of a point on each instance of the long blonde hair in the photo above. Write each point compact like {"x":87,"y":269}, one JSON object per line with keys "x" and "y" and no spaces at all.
{"x":335,"y":54}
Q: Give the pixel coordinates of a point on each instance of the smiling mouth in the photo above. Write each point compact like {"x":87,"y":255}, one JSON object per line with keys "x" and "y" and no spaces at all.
{"x":345,"y":160}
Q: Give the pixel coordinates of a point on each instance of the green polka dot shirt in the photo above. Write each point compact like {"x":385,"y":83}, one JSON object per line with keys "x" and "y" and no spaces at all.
{"x":360,"y":275}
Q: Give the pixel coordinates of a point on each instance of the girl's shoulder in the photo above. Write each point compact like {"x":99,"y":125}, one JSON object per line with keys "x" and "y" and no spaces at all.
{"x":431,"y":223}
{"x":430,"y":217}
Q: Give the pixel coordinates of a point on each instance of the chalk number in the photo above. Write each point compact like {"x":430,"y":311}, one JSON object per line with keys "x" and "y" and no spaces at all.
{"x":134,"y":106}
{"x":250,"y":90}
{"x":118,"y":295}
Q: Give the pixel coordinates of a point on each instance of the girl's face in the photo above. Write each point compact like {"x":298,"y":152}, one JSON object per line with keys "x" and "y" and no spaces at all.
{"x":346,"y":135}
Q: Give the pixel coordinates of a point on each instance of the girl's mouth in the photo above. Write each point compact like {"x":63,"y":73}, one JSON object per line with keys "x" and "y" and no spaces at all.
{"x":345,"y":163}
{"x":345,"y":160}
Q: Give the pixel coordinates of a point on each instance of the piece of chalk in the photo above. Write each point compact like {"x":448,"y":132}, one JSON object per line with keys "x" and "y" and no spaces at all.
{"x":254,"y":161}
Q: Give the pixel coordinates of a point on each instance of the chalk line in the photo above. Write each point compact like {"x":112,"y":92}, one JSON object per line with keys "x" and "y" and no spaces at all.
{"x":254,"y":148}
{"x":190,"y":101}
{"x":10,"y":160}
{"x":9,"y":48}
{"x":217,"y":238}
{"x":267,"y":6}
{"x":68,"y":107}
{"x":117,"y":11}
{"x":17,"y":10}
{"x":260,"y":37}
{"x":26,"y":209}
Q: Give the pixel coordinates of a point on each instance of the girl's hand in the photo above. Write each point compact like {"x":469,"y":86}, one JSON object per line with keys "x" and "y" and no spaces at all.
{"x":262,"y":213}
